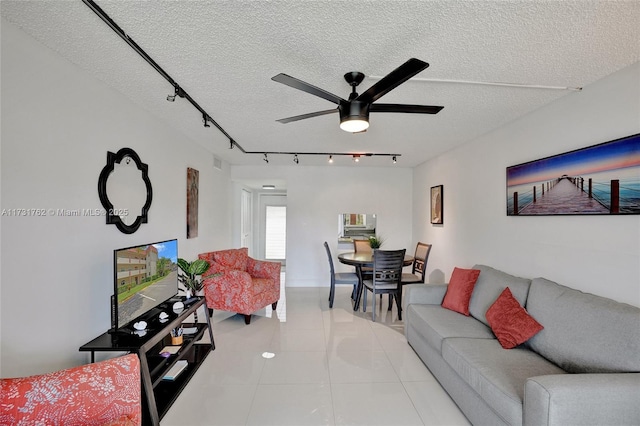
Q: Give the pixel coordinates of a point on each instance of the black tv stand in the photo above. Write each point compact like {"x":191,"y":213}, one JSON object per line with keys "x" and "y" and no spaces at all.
{"x":120,"y":331}
{"x":159,"y":394}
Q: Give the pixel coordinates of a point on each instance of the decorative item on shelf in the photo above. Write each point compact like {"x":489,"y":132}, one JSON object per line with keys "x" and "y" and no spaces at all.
{"x":191,"y":271}
{"x":176,"y":336}
{"x":376,"y":241}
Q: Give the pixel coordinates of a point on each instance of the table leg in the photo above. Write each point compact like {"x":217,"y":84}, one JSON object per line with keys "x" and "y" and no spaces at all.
{"x":356,"y":305}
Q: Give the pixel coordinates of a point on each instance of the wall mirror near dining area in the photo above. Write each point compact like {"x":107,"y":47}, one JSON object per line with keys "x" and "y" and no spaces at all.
{"x":356,"y":226}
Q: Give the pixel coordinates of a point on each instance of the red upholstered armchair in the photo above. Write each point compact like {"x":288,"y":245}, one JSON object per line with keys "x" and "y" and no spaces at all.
{"x":244,"y":285}
{"x":103,"y":393}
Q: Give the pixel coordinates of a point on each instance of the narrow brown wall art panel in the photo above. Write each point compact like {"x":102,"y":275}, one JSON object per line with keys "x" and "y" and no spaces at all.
{"x":193,"y":177}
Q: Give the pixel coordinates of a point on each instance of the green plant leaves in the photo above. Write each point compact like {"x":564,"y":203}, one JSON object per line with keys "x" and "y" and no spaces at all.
{"x":191,"y":270}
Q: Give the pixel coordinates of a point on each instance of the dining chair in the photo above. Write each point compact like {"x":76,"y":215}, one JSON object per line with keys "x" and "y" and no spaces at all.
{"x":418,"y":268}
{"x":362,"y":246}
{"x":387,"y":273}
{"x":339,"y":278}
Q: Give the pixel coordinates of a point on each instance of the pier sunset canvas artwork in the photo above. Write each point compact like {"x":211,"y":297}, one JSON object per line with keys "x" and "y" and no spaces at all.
{"x":600,"y":179}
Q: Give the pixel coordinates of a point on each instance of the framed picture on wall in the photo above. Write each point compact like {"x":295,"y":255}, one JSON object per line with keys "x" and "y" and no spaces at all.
{"x":193,"y":184}
{"x":602,"y":179}
{"x":436,"y":205}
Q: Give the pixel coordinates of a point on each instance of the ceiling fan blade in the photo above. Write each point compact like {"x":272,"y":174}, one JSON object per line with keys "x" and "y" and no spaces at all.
{"x":306,"y":87}
{"x":392,"y":80}
{"x":412,"y":109}
{"x":304,"y":116}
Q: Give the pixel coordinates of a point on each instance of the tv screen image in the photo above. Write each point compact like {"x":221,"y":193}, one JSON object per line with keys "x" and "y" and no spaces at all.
{"x":145,"y":276}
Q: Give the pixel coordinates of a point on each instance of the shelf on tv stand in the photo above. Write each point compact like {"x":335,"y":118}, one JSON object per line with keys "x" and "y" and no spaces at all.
{"x":160,"y":394}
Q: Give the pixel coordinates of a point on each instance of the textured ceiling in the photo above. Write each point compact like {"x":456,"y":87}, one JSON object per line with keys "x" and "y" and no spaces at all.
{"x":224,"y":53}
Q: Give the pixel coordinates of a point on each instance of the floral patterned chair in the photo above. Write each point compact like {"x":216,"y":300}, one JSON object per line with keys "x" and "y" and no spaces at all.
{"x":102,"y":393}
{"x":242,"y":284}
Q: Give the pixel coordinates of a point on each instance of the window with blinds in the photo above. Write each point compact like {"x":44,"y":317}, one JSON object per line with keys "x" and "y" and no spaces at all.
{"x":276,"y":232}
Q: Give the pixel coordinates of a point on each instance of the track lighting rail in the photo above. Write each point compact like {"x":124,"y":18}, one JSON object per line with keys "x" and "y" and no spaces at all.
{"x":180,"y":92}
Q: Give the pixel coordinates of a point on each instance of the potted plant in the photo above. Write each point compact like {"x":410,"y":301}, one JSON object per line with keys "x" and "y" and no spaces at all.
{"x":190,"y":275}
{"x":376,"y":241}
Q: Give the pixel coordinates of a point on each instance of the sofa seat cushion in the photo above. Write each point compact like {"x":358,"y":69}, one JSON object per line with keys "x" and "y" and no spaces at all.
{"x":498,"y":375}
{"x":584,"y":333}
{"x":436,"y":323}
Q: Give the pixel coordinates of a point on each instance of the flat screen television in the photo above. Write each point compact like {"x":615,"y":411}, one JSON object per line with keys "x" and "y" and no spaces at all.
{"x":144,"y":277}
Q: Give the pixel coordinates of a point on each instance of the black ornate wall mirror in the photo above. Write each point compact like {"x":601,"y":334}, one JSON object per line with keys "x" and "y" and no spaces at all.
{"x":125,"y":191}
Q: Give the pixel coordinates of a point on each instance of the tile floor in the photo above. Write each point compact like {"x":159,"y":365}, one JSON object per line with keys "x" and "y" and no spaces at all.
{"x":331,"y":367}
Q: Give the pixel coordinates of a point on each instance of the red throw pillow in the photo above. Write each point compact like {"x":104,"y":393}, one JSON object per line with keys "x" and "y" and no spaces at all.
{"x":510,"y":322}
{"x":459,"y":290}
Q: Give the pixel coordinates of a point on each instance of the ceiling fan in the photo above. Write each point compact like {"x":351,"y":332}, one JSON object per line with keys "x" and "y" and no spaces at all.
{"x":354,"y":113}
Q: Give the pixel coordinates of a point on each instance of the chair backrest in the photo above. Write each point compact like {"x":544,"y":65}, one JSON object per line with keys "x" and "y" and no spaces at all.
{"x":420,"y":259}
{"x":362,"y":246}
{"x":387,"y":266}
{"x":326,"y":246}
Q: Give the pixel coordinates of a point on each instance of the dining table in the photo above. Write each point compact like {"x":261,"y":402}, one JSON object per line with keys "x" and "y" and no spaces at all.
{"x":362,"y":259}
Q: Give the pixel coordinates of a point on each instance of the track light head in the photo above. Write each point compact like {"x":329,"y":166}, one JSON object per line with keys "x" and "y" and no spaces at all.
{"x":356,"y":158}
{"x":266,"y":160}
{"x":395,"y":160}
{"x":331,"y":159}
{"x":176,"y":92}
{"x":206,"y":120}
{"x":295,"y":159}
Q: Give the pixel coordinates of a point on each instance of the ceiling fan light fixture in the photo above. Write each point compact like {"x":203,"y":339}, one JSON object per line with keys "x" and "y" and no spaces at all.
{"x":354,"y":116}
{"x":355,"y":125}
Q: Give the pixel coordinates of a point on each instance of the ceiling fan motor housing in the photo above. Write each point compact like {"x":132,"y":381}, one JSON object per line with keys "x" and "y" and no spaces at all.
{"x":354,"y":110}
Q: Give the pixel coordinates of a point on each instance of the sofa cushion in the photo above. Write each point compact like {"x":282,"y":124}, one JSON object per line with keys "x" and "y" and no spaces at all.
{"x":436,"y":323}
{"x":490,"y":284}
{"x":459,"y":290}
{"x":232,"y":258}
{"x":510,"y":322}
{"x":496,"y":374}
{"x":584,"y":333}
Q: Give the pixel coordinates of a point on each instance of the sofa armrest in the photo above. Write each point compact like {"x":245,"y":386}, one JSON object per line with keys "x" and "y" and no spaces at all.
{"x":582,"y":399}
{"x":106,"y":392}
{"x":423,"y":294}
{"x":264,"y":269}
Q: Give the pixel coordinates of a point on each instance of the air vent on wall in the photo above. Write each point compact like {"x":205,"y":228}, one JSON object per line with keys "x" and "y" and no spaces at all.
{"x":217,"y":163}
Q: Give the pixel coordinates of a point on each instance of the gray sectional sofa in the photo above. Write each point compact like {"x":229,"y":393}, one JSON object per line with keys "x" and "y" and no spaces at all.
{"x":583,"y":368}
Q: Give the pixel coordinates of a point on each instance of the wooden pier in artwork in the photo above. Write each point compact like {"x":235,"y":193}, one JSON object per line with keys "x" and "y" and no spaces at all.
{"x":567,"y":196}
{"x":564,"y":198}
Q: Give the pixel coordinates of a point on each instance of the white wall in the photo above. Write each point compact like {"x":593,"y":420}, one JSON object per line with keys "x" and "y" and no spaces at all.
{"x":596,"y":254}
{"x":315,"y":198}
{"x":57,"y":126}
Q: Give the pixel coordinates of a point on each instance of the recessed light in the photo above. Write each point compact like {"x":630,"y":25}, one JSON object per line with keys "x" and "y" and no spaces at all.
{"x":268,"y":187}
